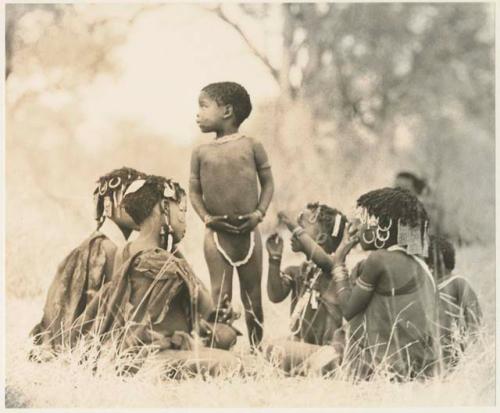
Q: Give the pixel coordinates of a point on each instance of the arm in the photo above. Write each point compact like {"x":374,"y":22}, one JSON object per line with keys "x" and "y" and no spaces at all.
{"x":312,"y":250}
{"x":265,"y":177}
{"x":354,"y":301}
{"x":205,"y":304}
{"x":467,"y":299}
{"x":251,"y":220}
{"x":111,"y":259}
{"x":278,"y":287}
{"x":195,"y":191}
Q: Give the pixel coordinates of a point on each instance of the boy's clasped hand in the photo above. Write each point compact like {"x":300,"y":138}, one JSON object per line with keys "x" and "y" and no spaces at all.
{"x":242,"y":224}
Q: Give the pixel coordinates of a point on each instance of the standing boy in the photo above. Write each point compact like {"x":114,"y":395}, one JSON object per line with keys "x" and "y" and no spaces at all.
{"x":224,"y":192}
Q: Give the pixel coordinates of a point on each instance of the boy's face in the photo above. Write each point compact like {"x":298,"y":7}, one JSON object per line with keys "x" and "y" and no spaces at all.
{"x":210,"y":115}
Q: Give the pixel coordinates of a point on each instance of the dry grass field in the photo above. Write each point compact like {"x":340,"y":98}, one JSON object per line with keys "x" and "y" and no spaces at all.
{"x":65,"y":383}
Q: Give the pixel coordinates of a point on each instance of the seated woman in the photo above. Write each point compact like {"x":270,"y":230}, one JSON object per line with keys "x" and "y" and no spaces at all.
{"x":154,"y":300}
{"x":391,"y":309}
{"x":313,"y":319}
{"x":87,"y":267}
{"x":460,"y":313}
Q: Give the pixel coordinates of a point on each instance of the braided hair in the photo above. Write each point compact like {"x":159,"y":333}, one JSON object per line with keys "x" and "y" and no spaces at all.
{"x":326,"y":216}
{"x":394,"y":204}
{"x":118,"y":180}
{"x":140,"y":204}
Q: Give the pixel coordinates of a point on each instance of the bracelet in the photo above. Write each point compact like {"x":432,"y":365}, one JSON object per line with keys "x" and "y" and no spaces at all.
{"x":340,"y":273}
{"x":341,"y":289}
{"x":297,"y":232}
{"x":274,"y":257}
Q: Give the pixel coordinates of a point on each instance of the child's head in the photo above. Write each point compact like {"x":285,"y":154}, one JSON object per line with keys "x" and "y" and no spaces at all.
{"x":109,"y":193}
{"x":392,"y":216}
{"x":222,"y":103}
{"x":160,"y":195}
{"x":411,"y":182}
{"x":441,"y":254}
{"x":322,"y":223}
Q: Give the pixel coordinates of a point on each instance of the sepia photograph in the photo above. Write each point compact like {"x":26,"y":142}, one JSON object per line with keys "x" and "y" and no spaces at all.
{"x":249,"y":205}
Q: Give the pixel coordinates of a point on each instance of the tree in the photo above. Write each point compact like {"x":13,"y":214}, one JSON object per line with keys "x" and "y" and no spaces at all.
{"x":362,"y":73}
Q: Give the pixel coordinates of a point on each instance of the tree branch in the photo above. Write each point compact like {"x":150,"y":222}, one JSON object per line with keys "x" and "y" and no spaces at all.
{"x":274,"y":72}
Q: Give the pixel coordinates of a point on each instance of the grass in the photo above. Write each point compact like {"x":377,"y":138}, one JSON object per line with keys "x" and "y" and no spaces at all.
{"x":65,"y":383}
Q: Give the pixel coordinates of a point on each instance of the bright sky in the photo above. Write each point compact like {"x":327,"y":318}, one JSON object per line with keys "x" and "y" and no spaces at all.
{"x":171,"y":53}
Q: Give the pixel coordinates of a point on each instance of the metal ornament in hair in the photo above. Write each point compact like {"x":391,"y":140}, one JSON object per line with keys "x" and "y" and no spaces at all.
{"x":381,"y":237}
{"x":425,"y":242}
{"x":134,"y":186}
{"x":169,"y":192}
{"x":103,"y":187}
{"x":387,"y":228}
{"x":365,"y":240}
{"x":365,"y":218}
{"x":107,"y":207}
{"x":114,"y":182}
{"x":336,"y":225}
{"x":412,"y":239}
{"x":379,"y":246}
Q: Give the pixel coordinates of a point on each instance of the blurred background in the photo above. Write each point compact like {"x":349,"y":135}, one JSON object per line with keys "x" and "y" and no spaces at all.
{"x":345,"y":95}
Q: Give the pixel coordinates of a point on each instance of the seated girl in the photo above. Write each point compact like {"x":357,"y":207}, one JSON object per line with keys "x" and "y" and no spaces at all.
{"x":155,"y":300}
{"x":87,"y":267}
{"x":459,"y":310}
{"x":313,"y":319}
{"x":391,"y":309}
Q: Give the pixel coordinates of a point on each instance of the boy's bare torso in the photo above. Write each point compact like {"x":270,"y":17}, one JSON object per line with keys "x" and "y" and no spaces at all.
{"x":228,"y":177}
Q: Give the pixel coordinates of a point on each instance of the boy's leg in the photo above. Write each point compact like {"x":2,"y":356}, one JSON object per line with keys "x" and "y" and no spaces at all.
{"x":221,"y":273}
{"x":250,"y":287}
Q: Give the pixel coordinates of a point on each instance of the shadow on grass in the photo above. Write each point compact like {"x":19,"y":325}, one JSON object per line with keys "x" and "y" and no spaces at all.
{"x":15,"y":399}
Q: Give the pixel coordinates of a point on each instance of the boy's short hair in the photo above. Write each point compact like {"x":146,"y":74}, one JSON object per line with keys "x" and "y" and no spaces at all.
{"x":444,"y":248}
{"x":418,"y":183}
{"x":231,"y":93}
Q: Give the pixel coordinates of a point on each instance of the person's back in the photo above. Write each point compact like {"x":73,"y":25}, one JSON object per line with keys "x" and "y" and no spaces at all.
{"x":84,"y":271}
{"x":401,"y":311}
{"x":391,"y":305}
{"x":460,"y":313}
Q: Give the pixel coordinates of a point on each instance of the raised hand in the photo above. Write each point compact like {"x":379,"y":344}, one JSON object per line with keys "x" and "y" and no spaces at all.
{"x":274,"y":245}
{"x":349,"y":240}
{"x":283,"y":218}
